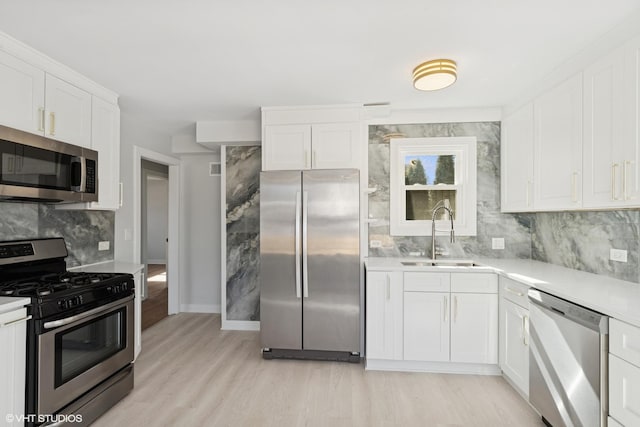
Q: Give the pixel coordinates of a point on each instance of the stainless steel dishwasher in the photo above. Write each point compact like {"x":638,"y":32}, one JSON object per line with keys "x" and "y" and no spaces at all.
{"x":568,"y":362}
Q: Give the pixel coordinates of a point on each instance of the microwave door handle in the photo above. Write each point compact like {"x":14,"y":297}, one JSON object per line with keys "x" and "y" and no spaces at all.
{"x":78,"y":183}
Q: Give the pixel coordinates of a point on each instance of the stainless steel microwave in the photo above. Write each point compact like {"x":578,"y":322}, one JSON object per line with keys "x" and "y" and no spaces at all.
{"x":38,"y":169}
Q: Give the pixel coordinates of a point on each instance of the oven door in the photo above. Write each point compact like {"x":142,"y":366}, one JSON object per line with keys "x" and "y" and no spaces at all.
{"x":78,"y":353}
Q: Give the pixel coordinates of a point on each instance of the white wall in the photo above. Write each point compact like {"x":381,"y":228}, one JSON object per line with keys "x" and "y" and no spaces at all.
{"x":132,"y":133}
{"x":157,"y":219}
{"x":201,"y":215}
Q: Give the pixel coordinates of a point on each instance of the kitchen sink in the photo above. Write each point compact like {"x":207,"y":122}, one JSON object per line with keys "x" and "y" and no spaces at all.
{"x":441,"y":263}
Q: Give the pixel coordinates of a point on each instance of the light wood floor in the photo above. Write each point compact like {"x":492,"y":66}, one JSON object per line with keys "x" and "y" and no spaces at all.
{"x":155,"y":307}
{"x":190,"y":373}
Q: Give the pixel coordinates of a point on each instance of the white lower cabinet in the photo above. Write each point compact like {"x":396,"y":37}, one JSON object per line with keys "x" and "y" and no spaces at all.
{"x":514,"y":344}
{"x":514,"y":333}
{"x":474,"y":328}
{"x":624,"y":391}
{"x":426,"y":326}
{"x":13,"y":342}
{"x":624,"y":373}
{"x":138,"y":278}
{"x":384,"y":315}
{"x":432,"y":321}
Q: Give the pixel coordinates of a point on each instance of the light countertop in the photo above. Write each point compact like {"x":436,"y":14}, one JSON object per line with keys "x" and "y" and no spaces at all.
{"x":110,"y":267}
{"x":11,"y":303}
{"x":613,"y":297}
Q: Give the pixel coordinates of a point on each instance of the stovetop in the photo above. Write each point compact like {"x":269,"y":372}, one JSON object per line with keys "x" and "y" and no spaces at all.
{"x":53,"y":283}
{"x":36,"y":269}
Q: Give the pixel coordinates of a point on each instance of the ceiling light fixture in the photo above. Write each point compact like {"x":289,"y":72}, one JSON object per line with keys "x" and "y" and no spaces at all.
{"x":435,"y":74}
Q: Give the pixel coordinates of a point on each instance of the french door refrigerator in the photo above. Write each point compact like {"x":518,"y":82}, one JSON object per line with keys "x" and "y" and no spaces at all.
{"x":310,"y":264}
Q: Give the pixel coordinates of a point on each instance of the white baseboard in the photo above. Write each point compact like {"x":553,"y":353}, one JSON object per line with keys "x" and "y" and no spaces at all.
{"x":435,"y":367}
{"x":200,"y":308}
{"x":240,"y":325}
{"x":157,"y":261}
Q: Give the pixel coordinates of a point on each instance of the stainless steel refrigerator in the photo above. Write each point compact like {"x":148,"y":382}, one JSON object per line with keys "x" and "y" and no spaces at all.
{"x":310,"y":264}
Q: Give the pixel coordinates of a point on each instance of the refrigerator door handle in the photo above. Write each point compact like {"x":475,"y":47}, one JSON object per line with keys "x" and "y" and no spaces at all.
{"x":297,"y":243}
{"x":305,"y":275}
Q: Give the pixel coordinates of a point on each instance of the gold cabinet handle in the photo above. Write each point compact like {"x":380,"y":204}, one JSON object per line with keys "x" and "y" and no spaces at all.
{"x":41,"y":119}
{"x":52,"y":123}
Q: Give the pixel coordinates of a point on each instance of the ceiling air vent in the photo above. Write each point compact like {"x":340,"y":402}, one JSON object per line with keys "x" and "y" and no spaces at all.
{"x":214,"y":169}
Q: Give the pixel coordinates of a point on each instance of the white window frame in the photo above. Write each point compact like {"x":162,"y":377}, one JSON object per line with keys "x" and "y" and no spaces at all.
{"x":465,"y":152}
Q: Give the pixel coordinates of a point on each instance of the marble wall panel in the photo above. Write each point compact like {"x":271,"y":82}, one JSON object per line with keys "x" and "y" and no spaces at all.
{"x":82,"y":230}
{"x":582,"y":240}
{"x":243,"y":165}
{"x":18,"y":221}
{"x":491,"y":223}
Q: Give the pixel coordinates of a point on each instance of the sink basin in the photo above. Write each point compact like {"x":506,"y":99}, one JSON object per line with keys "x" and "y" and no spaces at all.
{"x":441,"y":263}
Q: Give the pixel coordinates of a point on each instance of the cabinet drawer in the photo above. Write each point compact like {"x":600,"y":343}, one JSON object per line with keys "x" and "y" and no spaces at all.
{"x":477,"y":283}
{"x":624,"y":389}
{"x":624,"y":341}
{"x":418,"y":281}
{"x":515,"y":292}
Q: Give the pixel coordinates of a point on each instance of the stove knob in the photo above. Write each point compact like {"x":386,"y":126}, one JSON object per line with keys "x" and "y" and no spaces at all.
{"x":62,"y":304}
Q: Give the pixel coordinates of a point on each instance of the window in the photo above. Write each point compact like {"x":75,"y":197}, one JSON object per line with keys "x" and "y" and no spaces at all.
{"x":428,"y":171}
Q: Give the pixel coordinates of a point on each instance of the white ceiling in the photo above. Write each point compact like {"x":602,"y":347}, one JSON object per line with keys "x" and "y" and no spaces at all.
{"x":175,"y":62}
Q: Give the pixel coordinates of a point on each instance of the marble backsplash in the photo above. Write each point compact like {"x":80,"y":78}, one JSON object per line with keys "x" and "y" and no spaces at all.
{"x":81,"y":230}
{"x":577,"y":240}
{"x":243,"y":165}
{"x":516,"y":229}
{"x":581,"y":240}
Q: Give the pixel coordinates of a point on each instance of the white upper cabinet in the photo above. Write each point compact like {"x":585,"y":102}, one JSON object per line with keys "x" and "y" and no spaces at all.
{"x":288,"y":147}
{"x":297,"y":138}
{"x":604,"y":131}
{"x":105,"y":139}
{"x":336,"y":146}
{"x":21,"y":95}
{"x":67,"y":112}
{"x":517,"y":160}
{"x":558,"y":147}
{"x":585,"y":139}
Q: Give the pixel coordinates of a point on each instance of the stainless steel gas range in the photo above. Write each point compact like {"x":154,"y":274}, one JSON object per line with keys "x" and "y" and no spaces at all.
{"x":80,"y":338}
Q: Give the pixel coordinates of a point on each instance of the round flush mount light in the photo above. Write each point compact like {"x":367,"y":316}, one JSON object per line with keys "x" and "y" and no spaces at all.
{"x":435,"y":74}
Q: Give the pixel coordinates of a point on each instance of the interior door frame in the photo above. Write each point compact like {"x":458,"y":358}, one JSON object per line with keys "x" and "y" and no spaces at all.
{"x":174,"y":244}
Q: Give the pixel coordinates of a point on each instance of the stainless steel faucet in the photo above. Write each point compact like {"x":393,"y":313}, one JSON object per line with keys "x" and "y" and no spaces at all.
{"x":433,"y":227}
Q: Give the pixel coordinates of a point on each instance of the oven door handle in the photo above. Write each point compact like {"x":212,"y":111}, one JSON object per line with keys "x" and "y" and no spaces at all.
{"x":97,"y":310}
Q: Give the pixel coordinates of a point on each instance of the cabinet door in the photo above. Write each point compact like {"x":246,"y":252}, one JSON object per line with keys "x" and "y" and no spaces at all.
{"x":474,"y":328}
{"x":517,"y":161}
{"x":384,"y":315}
{"x":336,"y":146}
{"x":105,"y":139}
{"x":514,"y":344}
{"x":604,"y":129}
{"x":426,"y":326}
{"x":68,"y":112}
{"x":558,"y":147}
{"x":624,"y":389}
{"x":287,"y":147}
{"x":631,"y":145}
{"x":21,"y":95}
{"x":13,"y":341}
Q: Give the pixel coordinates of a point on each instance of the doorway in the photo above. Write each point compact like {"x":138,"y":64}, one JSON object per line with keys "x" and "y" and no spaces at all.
{"x":154,"y":221}
{"x":173,"y":244}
